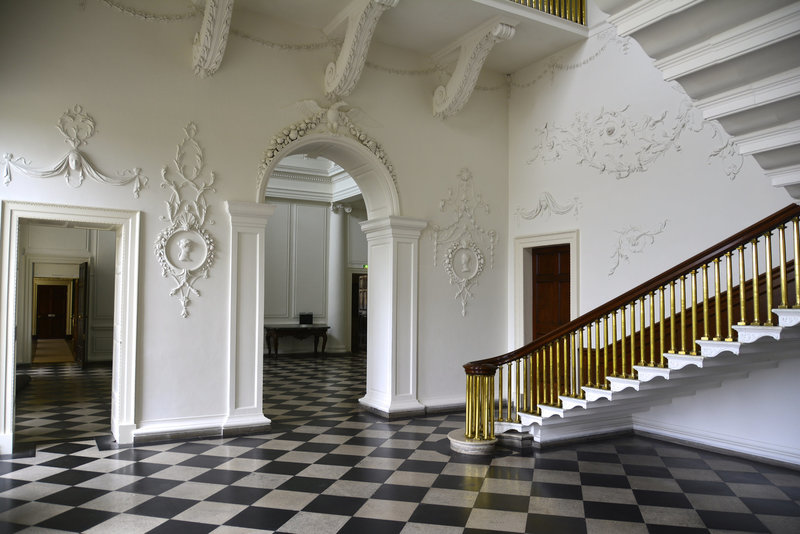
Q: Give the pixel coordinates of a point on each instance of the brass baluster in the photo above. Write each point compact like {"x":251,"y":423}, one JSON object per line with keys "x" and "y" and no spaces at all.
{"x":558,"y":374}
{"x":614,"y":344}
{"x":500,"y":394}
{"x":705,"y":303}
{"x":589,"y":375}
{"x":508,"y":400}
{"x":572,"y":390}
{"x":782,"y":246}
{"x":661,"y":321}
{"x":642,"y":348}
{"x":652,"y":329}
{"x":796,"y":236}
{"x":605,"y":351}
{"x":683,"y":315}
{"x":468,"y":423}
{"x":490,"y":420}
{"x":538,"y":377}
{"x":519,"y":393}
{"x":717,"y":302}
{"x":565,"y":369}
{"x":694,"y":313}
{"x":579,"y":362}
{"x":768,"y":260}
{"x":729,"y":280}
{"x":756,"y":306}
{"x":624,"y":334}
{"x":551,"y":381}
{"x":597,"y":354}
{"x":633,"y":339}
{"x":742,"y":288}
{"x":672,"y":317}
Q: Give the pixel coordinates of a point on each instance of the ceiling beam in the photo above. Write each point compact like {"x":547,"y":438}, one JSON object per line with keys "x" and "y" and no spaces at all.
{"x":473,"y":49}
{"x":210,"y":41}
{"x":361,"y":17}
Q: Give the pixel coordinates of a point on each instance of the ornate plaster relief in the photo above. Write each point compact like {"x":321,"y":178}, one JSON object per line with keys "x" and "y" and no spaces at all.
{"x":334,"y":120}
{"x":621,"y":144}
{"x":77,"y":126}
{"x":362,"y":17}
{"x":464,"y":260}
{"x":548,"y":206}
{"x":210,"y":41}
{"x":633,"y":240}
{"x":185,"y":248}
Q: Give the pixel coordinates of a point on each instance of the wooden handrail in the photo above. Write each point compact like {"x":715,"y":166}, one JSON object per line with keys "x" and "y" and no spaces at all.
{"x":489,"y":365}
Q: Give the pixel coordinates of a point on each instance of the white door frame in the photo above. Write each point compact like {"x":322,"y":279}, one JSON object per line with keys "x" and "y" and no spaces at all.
{"x":126,"y":306}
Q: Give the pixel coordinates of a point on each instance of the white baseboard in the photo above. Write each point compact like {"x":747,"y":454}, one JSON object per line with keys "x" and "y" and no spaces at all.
{"x":743,"y":444}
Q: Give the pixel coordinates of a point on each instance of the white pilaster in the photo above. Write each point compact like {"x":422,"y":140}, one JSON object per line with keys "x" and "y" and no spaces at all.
{"x":246,"y":349}
{"x":337,"y":244}
{"x":393,"y":309}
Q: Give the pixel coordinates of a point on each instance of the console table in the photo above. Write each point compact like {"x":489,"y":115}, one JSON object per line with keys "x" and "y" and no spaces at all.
{"x":273,"y":332}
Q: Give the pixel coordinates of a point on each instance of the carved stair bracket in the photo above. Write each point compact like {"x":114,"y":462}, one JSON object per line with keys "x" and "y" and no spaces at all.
{"x":210,"y":41}
{"x":362,"y":17}
{"x":473,"y":50}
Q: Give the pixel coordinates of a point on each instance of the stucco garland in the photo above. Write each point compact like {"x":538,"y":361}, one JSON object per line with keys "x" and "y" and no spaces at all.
{"x":633,"y":240}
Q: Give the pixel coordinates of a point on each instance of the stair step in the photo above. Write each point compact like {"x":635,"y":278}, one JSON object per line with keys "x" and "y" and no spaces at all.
{"x":763,"y":31}
{"x":646,"y":374}
{"x":573,"y":402}
{"x":780,"y":86}
{"x":711,"y":348}
{"x":751,"y":333}
{"x":787,"y":317}
{"x":773,"y":138}
{"x":619,"y":384}
{"x":679,"y":361}
{"x":593,"y":394}
{"x":549,"y":411}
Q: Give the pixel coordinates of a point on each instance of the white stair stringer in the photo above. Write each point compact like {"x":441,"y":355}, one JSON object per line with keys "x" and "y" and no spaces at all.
{"x":611,"y":410}
{"x":739,"y":63}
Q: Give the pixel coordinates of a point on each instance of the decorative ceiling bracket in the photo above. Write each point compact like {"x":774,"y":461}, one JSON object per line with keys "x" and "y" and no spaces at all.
{"x":473,"y":48}
{"x":361,"y":17}
{"x":210,"y":41}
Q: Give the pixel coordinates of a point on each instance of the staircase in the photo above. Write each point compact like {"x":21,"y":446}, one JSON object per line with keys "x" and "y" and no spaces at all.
{"x":724,"y":313}
{"x":739,"y":60}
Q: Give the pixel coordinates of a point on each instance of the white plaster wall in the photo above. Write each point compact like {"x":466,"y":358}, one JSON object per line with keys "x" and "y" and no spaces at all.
{"x":135,"y":78}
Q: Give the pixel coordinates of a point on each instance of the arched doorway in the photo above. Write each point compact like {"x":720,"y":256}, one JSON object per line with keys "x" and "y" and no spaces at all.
{"x":393,"y":257}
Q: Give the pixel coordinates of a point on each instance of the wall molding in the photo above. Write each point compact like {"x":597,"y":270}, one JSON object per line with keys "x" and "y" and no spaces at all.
{"x":185,"y":248}
{"x":463,"y":260}
{"x":548,"y":205}
{"x":77,"y":127}
{"x":633,"y":240}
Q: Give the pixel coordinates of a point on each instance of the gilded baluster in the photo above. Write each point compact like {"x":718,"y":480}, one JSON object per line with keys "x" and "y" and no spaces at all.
{"x":589,"y":375}
{"x":565,"y":369}
{"x":729,"y":280}
{"x":633,"y":339}
{"x":705,"y":303}
{"x":572,"y":382}
{"x":768,"y":260}
{"x":661,"y":320}
{"x":510,"y":394}
{"x":694,"y":313}
{"x":652,"y":329}
{"x":551,"y":374}
{"x":558,"y":374}
{"x":672,"y":315}
{"x":519,"y":392}
{"x":756,"y":316}
{"x":642,"y":348}
{"x":796,"y":236}
{"x":579,"y":362}
{"x":623,"y":335}
{"x":605,"y":350}
{"x":500,"y":394}
{"x":597,"y":381}
{"x":531,"y":383}
{"x":717,"y":302}
{"x":742,"y":289}
{"x":683,"y":315}
{"x":784,"y":285}
{"x":614,"y":344}
{"x":468,"y":422}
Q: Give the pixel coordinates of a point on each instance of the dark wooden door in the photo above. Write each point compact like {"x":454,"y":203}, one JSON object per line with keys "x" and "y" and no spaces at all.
{"x":51,"y":312}
{"x":358,"y":322}
{"x":82,"y":314}
{"x":550,"y":285}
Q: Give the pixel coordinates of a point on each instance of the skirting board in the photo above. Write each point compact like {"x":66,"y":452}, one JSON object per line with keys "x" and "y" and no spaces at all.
{"x":724,"y":443}
{"x":190,"y":428}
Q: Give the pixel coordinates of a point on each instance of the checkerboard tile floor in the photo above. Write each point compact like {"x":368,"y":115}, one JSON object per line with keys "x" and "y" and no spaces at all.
{"x":352,"y":472}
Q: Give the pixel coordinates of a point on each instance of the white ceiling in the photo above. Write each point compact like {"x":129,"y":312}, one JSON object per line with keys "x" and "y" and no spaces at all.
{"x":428,"y":26}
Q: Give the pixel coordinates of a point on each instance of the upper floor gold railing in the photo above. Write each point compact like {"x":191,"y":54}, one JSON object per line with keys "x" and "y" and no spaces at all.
{"x":574,"y":10}
{"x":699,"y":299}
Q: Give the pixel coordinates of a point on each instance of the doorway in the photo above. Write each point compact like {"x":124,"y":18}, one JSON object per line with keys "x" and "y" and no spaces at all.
{"x":51,"y":311}
{"x":550,"y":282}
{"x":126,"y":290}
{"x":358,"y":314}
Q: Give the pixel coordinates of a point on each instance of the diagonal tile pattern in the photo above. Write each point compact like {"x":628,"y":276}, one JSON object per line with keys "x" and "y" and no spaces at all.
{"x":326,"y":467}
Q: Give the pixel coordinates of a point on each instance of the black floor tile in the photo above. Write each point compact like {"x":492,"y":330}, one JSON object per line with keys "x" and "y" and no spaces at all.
{"x":362,"y":525}
{"x":556,"y":491}
{"x":396,"y":492}
{"x":459,"y":483}
{"x":441,"y":515}
{"x":335,"y":504}
{"x":731,"y":521}
{"x":554,"y":523}
{"x":238,"y":495}
{"x":73,"y":496}
{"x":367,"y":475}
{"x":612,"y":511}
{"x":498,"y":501}
{"x":706,"y":487}
{"x":307,"y":484}
{"x":606,"y":481}
{"x":166,"y":507}
{"x":76,"y":520}
{"x":261,"y":518}
{"x":661,"y":498}
{"x":772,"y":507}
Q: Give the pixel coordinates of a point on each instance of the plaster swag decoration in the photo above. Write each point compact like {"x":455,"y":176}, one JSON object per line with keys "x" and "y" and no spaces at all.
{"x":548,"y":206}
{"x":185,"y":249}
{"x":616,"y":143}
{"x":77,"y":126}
{"x":464,"y":260}
{"x":334,"y":120}
{"x":633,"y":240}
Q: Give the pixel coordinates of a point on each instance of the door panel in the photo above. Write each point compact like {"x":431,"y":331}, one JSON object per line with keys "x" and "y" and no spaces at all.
{"x":51,"y":312}
{"x":82,"y":314}
{"x":550,"y":289}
